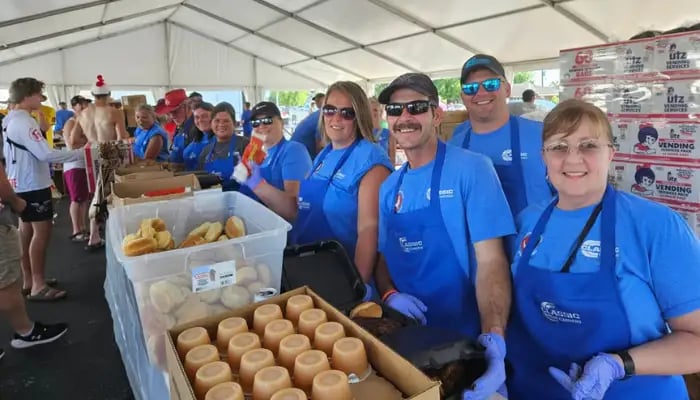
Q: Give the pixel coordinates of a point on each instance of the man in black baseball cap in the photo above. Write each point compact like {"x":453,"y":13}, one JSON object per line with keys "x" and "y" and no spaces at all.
{"x":513,"y":143}
{"x":423,"y":214}
{"x":265,"y":109}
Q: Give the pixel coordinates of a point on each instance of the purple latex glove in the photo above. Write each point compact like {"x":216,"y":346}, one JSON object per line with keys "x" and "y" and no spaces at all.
{"x":255,"y":177}
{"x":494,"y":379}
{"x":369,"y":292}
{"x":598,"y":374}
{"x":408,"y":305}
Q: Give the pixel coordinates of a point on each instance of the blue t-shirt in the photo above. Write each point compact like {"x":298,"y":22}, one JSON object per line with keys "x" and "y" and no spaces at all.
{"x":307,"y":132}
{"x":658,"y":264}
{"x":181,"y":139}
{"x":340,"y":202}
{"x":292,"y":164}
{"x":61,"y":117}
{"x":245,"y":121}
{"x":471,"y":199}
{"x":496,"y":146}
{"x":381,"y":135}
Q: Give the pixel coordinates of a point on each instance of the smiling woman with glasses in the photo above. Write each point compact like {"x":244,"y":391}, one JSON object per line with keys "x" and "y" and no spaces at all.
{"x":276,"y":181}
{"x":599,"y":277}
{"x":339,"y":199}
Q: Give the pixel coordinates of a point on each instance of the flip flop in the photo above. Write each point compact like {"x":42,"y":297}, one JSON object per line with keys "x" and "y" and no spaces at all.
{"x":49,"y":282}
{"x":77,"y":237}
{"x":48,"y":294}
{"x":95,"y":247}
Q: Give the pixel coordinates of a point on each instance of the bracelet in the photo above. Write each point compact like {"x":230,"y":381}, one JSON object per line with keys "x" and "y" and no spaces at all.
{"x":388,"y":293}
{"x":627,"y":363}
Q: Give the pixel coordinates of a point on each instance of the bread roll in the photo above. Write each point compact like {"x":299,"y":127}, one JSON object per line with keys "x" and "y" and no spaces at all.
{"x":234,"y":227}
{"x":213,"y":232}
{"x":235,"y":296}
{"x":200,"y":230}
{"x":191,"y":310}
{"x":264,"y":274}
{"x":246,"y":275}
{"x":222,"y":238}
{"x":128,"y":238}
{"x":367,"y":309}
{"x":158,"y":224}
{"x":163,"y":238}
{"x":255,"y":287}
{"x":165,"y":296}
{"x":192,"y":241}
{"x":140,"y":246}
{"x":210,"y":296}
{"x":147,"y":231}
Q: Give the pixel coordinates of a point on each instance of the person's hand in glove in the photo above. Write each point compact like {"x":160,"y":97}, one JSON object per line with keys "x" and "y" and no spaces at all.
{"x":494,"y":379}
{"x":369,"y":292}
{"x":252,"y":179}
{"x":408,"y":305}
{"x":597,"y":376}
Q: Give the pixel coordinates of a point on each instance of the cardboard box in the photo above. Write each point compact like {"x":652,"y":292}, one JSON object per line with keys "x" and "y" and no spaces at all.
{"x":657,"y":139}
{"x":134,"y":100}
{"x":402,"y":374}
{"x":598,"y":93}
{"x":130,"y":113}
{"x":132,"y":192}
{"x":450,"y":120}
{"x":635,"y":57}
{"x":677,"y":98}
{"x":586,"y":63}
{"x":142,"y":176}
{"x":632,"y":98}
{"x":675,"y":185}
{"x":678,"y":54}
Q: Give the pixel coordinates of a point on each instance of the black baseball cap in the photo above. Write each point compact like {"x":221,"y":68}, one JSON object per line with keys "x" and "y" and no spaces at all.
{"x":195,"y":94}
{"x":421,"y":83}
{"x":482,"y":61}
{"x":75,"y":100}
{"x":265,"y":108}
{"x":318,"y":96}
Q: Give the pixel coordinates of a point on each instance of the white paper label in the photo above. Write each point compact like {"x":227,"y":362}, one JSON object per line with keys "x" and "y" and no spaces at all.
{"x":214,"y":276}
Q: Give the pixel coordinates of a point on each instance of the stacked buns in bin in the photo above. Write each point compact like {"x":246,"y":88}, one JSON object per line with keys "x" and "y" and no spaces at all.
{"x":295,"y":354}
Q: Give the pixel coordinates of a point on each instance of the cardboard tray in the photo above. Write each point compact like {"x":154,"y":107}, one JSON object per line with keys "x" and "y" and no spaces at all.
{"x":412,"y":383}
{"x":131,"y":192}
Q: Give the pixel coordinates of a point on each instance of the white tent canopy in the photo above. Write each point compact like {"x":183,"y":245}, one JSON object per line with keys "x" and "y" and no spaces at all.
{"x":295,"y":44}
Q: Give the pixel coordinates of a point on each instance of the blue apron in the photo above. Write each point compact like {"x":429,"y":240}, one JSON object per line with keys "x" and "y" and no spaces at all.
{"x":311,"y":224}
{"x":192,"y":152}
{"x":143,"y":137}
{"x":423,"y":262}
{"x":272,"y":175}
{"x":512,"y":176}
{"x":223,"y":167}
{"x":562,"y":317}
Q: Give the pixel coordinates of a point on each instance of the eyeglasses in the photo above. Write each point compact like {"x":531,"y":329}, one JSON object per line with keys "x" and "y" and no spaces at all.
{"x":490,"y":85}
{"x":416,"y":107}
{"x":347,"y":113}
{"x":586,"y":148}
{"x":264,"y":121}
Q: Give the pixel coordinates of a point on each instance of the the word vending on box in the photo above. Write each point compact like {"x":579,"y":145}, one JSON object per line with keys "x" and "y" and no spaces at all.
{"x":650,"y":89}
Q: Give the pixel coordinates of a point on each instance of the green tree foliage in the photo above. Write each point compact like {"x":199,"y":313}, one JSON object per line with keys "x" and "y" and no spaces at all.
{"x":448,"y":89}
{"x":524,"y":77}
{"x":292,"y":98}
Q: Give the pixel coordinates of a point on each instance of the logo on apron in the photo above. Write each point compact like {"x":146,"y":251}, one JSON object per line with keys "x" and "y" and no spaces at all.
{"x":591,"y":248}
{"x":410,"y":247}
{"x":549,"y":310}
{"x":304,"y":205}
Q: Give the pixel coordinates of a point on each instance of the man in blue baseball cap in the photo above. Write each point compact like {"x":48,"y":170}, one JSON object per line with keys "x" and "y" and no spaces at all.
{"x":513,"y":143}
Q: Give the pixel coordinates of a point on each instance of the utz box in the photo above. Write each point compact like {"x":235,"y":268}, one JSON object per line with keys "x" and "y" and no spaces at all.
{"x":668,"y":140}
{"x":670,"y":184}
{"x":598,"y":93}
{"x":679,"y":98}
{"x":678,"y":54}
{"x":636,"y":57}
{"x":587,"y":63}
{"x":631,"y":98}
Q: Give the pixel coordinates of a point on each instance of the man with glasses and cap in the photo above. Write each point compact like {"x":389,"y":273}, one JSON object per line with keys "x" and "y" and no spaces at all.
{"x":513,"y":143}
{"x":176,"y":107}
{"x":442,"y":217}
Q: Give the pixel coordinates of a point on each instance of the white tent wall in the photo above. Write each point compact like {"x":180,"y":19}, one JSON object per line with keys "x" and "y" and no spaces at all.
{"x":257,"y":45}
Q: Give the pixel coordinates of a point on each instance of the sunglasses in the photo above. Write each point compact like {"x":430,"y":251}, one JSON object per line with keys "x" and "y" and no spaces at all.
{"x":416,"y":107}
{"x":261,"y":121}
{"x":490,"y":85}
{"x":347,"y":113}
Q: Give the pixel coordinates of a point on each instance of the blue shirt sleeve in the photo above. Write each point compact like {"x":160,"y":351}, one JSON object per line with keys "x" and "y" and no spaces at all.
{"x":675,"y":266}
{"x":487,"y":210}
{"x":296,"y":163}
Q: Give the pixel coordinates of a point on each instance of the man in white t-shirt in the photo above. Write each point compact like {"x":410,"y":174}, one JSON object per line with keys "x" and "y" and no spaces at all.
{"x":27,"y":156}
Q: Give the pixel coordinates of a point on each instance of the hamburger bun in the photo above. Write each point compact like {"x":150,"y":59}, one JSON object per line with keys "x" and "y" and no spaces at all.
{"x":235,"y":227}
{"x":367,"y":309}
{"x":140,"y":246}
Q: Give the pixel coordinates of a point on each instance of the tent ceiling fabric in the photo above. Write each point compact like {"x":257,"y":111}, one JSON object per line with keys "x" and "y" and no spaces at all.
{"x":285,"y":44}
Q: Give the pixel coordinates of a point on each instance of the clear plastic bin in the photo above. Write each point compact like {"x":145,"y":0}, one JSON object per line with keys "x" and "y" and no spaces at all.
{"x":163,"y":281}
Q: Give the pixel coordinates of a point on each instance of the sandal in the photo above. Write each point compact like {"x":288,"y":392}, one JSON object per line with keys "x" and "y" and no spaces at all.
{"x":49,"y":282}
{"x":48,"y":294}
{"x":77,"y":237}
{"x":95,"y":247}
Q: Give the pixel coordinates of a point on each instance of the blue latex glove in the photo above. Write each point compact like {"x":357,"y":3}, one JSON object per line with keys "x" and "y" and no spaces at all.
{"x":408,"y":305}
{"x":598,"y":374}
{"x":494,"y":379}
{"x":255,"y":177}
{"x":369,"y":292}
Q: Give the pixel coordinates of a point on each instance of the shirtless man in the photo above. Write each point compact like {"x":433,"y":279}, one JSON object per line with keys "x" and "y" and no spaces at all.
{"x":75,"y":175}
{"x":99,"y":123}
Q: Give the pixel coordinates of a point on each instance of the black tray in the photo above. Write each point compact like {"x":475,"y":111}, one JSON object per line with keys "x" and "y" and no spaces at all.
{"x":326,"y":268}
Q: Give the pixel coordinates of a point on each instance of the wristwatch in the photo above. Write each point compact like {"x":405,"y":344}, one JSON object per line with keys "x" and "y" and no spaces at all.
{"x":627,"y":363}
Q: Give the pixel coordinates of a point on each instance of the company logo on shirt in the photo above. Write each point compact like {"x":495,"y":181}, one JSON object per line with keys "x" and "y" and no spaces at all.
{"x":591,"y":248}
{"x":36,"y":135}
{"x":508,"y":155}
{"x":550,"y":311}
{"x":410,"y":247}
{"x":339,"y":175}
{"x":304,"y":205}
{"x":444,"y":193}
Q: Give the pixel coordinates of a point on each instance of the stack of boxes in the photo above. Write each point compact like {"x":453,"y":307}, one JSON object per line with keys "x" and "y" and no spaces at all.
{"x":650,"y":89}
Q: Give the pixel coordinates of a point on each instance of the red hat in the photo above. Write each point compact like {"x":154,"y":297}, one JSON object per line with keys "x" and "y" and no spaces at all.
{"x":159,"y":107}
{"x":173,"y":99}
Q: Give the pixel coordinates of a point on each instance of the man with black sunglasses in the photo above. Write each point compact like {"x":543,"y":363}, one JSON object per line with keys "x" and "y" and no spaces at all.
{"x":443,"y":210}
{"x":513,"y":143}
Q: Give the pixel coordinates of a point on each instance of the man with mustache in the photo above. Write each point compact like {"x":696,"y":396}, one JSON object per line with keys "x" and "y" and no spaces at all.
{"x":435,"y":266}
